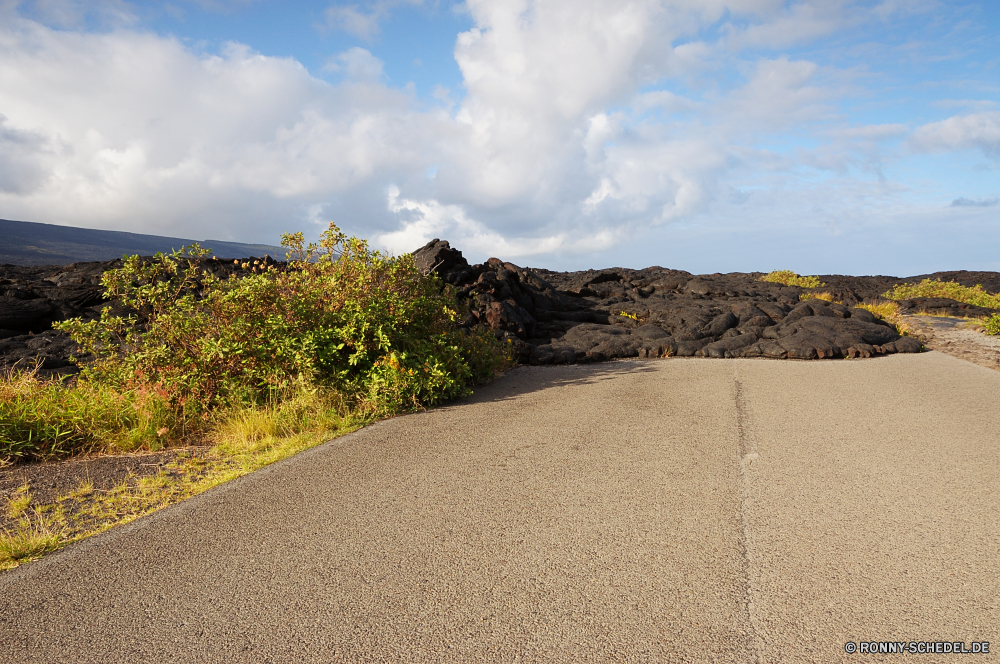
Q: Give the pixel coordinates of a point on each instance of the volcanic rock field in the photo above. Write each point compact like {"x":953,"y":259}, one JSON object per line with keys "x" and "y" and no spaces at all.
{"x":557,"y":317}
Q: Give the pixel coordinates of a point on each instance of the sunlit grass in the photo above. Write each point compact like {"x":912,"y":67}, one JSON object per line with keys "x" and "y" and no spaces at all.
{"x":974,"y":295}
{"x":42,"y":419}
{"x":789,"y":278}
{"x":248,"y":439}
{"x":816,"y":296}
{"x":18,"y":503}
{"x":28,"y":540}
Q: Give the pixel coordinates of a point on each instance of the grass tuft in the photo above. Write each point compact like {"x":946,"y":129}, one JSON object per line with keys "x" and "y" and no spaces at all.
{"x":41,"y":420}
{"x":29,"y":540}
{"x":18,"y":503}
{"x":816,"y":296}
{"x":789,"y":278}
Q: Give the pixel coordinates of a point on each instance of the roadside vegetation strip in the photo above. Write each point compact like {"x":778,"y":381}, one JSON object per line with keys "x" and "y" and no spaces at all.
{"x":31,"y":530}
{"x":789,"y":278}
{"x":974,"y":295}
{"x":261,"y":366}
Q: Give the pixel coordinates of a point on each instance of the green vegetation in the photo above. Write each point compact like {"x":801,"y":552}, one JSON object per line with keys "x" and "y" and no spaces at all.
{"x":816,"y":296}
{"x":261,"y":366}
{"x":246,"y":441}
{"x":789,"y":278}
{"x":992,"y":325}
{"x":363,"y":330}
{"x":954,"y":291}
{"x":948,"y":289}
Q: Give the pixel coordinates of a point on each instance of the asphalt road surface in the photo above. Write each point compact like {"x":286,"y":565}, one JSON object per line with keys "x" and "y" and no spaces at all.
{"x":673,"y":510}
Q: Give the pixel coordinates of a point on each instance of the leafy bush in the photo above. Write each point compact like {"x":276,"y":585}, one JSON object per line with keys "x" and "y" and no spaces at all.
{"x":789,"y":278}
{"x":339,"y":315}
{"x":185,"y":348}
{"x":992,"y":325}
{"x":948,"y":289}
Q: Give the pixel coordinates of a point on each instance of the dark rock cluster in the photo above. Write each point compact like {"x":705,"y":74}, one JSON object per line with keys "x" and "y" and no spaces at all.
{"x":551,"y":317}
{"x":567,"y":317}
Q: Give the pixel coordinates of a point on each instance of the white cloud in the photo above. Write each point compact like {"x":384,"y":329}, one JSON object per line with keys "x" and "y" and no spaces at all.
{"x":872,"y":132}
{"x":108,"y":129}
{"x":354,"y":20}
{"x":358,"y":63}
{"x":780,"y":93}
{"x":428,"y":219}
{"x":800,"y":22}
{"x":961,"y":132}
{"x":584,"y":124}
{"x":363,"y":20}
{"x":975,"y":202}
{"x":71,"y":14}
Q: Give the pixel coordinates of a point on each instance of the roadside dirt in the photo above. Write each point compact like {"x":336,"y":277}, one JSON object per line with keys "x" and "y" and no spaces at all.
{"x":53,"y":482}
{"x":958,"y":337}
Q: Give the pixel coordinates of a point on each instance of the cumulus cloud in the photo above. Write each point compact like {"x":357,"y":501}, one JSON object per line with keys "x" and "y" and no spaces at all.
{"x":149,"y":133}
{"x":363,"y":20}
{"x":24,"y":159}
{"x":961,"y":132}
{"x":357,"y":63}
{"x":581,"y":125}
{"x":423,"y":220}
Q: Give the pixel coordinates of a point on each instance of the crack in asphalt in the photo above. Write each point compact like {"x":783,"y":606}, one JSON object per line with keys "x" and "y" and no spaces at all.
{"x":747,"y":454}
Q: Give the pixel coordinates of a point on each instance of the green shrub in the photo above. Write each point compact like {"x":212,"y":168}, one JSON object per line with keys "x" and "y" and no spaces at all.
{"x":789,"y":278}
{"x":340,"y":315}
{"x":947,"y":289}
{"x":185,"y":348}
{"x":992,"y":325}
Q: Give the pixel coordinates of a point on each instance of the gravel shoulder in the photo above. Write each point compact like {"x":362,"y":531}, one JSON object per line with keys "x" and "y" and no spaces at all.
{"x":958,"y":337}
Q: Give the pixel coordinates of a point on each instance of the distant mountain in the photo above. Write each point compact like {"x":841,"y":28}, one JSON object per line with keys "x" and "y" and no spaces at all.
{"x":28,"y":243}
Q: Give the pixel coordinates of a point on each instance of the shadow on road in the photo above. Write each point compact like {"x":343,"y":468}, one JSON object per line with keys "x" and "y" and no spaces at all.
{"x":526,"y":379}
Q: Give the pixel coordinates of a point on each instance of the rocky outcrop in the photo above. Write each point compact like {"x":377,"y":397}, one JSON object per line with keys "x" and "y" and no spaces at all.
{"x":593,"y":315}
{"x":552,"y":317}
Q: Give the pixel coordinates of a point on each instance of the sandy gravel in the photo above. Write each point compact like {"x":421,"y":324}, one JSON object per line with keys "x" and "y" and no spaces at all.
{"x":958,"y":337}
{"x":675,"y":510}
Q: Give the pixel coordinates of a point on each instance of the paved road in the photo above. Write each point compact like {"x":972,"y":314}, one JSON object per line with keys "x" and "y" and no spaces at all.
{"x":677,"y":510}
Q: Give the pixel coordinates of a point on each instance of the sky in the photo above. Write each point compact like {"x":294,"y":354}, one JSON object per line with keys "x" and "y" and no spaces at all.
{"x":824,"y":137}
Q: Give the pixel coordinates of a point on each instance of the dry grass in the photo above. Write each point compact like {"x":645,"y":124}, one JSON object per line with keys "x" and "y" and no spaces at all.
{"x":817,"y":296}
{"x":248,"y":440}
{"x":19,"y":502}
{"x":31,"y":539}
{"x":789,"y":278}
